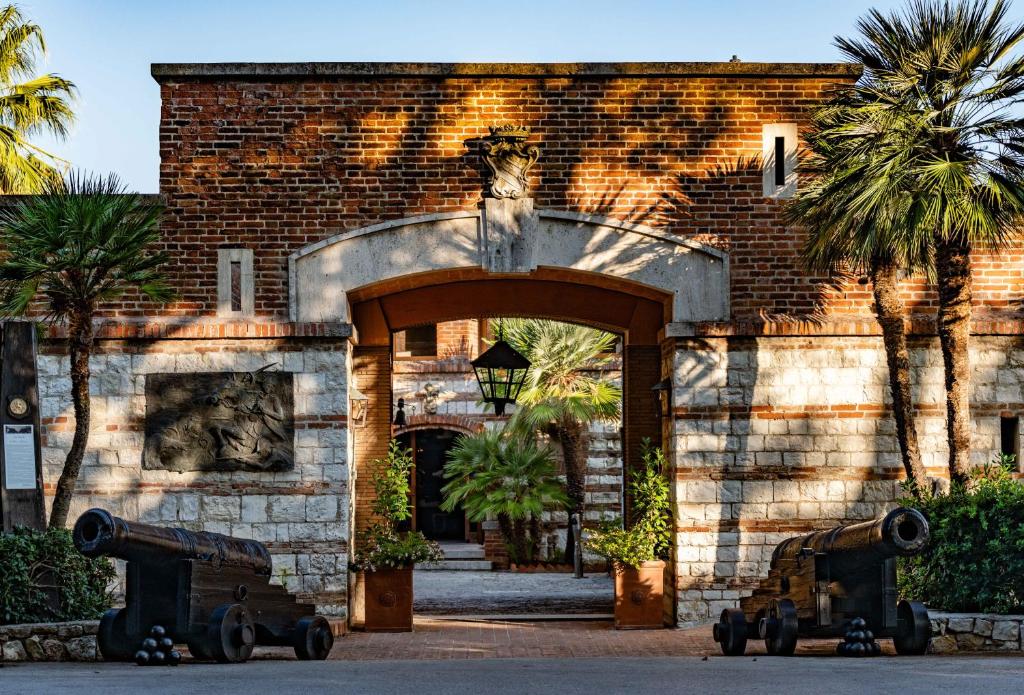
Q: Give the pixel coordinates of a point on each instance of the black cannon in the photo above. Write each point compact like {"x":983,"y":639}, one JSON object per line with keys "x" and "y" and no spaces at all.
{"x":209,"y":591}
{"x":820,"y":583}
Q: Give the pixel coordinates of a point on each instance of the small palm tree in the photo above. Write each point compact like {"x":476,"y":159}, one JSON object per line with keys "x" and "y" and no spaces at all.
{"x":940,"y":86}
{"x":561,"y":397}
{"x":29,"y":105}
{"x":81,"y":244}
{"x":855,"y":210}
{"x":496,"y":474}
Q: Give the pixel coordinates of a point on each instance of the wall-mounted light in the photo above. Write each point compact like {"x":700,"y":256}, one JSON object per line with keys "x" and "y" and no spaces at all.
{"x":359,"y":404}
{"x":663,"y":397}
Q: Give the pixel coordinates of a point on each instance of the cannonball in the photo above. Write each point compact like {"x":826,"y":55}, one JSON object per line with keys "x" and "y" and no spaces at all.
{"x":150,"y":645}
{"x":158,"y":658}
{"x":857,"y":636}
{"x":841,"y":648}
{"x":856,"y":649}
{"x":869,"y":636}
{"x":157,"y":631}
{"x":875,"y":648}
{"x":173,"y":657}
{"x":858,"y":623}
{"x":166,"y":644}
{"x":142,"y":657}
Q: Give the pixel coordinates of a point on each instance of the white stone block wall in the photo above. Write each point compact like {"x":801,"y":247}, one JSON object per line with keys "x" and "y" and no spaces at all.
{"x":302,"y":515}
{"x":774,"y":437}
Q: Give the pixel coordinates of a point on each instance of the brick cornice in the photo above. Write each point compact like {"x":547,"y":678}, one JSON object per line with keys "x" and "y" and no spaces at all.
{"x":837,"y":327}
{"x":166,"y":72}
{"x":207,"y":328}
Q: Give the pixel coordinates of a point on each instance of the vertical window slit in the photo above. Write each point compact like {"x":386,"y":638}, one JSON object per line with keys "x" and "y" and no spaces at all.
{"x":1009,"y":437}
{"x":780,"y":161}
{"x":236,"y":286}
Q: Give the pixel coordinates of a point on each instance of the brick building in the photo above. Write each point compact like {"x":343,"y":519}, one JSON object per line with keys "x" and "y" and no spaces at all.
{"x":314,"y":210}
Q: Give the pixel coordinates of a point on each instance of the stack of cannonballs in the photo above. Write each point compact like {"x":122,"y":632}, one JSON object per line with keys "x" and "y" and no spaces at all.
{"x":158,"y":649}
{"x":859,"y":641}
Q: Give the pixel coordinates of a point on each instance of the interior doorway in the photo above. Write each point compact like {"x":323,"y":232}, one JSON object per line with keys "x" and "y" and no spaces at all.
{"x":430,"y":453}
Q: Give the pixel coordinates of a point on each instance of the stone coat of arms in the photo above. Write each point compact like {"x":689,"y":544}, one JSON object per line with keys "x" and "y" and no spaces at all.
{"x":508,"y":160}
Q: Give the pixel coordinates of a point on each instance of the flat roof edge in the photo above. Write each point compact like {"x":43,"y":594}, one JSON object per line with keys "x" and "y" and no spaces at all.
{"x":167,"y":71}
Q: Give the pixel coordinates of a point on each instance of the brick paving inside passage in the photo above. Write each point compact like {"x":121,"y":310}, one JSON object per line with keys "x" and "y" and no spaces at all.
{"x":500,"y":639}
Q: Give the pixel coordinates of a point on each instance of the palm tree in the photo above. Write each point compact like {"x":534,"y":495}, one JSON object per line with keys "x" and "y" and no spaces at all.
{"x":941,"y":82}
{"x":560,"y":397}
{"x":854,"y":209}
{"x":502,"y":475}
{"x":83,"y":243}
{"x":29,"y":105}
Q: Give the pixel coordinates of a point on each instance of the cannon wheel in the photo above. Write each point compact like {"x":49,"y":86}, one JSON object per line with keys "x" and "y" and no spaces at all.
{"x":731,"y":632}
{"x":231,"y":634}
{"x":913,"y":628}
{"x":313,"y":638}
{"x":113,"y":639}
{"x":780,"y":627}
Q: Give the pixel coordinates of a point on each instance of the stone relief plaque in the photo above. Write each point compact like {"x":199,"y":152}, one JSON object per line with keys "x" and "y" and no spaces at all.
{"x":220,"y":421}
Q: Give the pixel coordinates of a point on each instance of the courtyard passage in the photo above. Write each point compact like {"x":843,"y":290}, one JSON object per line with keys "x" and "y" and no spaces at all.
{"x":793,"y":676}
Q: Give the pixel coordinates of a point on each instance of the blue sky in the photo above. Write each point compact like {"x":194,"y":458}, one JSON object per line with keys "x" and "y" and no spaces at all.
{"x":106,"y":46}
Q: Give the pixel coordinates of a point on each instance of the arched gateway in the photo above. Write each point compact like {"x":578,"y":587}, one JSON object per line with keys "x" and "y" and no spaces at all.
{"x":507,"y":259}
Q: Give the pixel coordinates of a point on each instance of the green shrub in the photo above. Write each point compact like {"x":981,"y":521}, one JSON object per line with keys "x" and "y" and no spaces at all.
{"x":650,"y":536}
{"x":382,"y":546}
{"x":38,"y":566}
{"x":975,"y":559}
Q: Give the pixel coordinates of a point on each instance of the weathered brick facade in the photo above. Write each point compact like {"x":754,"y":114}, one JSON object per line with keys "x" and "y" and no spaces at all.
{"x":777,"y":423}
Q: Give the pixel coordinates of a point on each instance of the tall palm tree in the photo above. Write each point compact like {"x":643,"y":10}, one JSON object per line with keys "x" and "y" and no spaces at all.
{"x":29,"y":105}
{"x":66,"y":252}
{"x":561,"y":397}
{"x":942,"y":80}
{"x":855,"y":209}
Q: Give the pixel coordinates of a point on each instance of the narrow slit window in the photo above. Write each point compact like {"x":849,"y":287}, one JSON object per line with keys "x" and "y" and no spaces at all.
{"x":1009,"y":437}
{"x":780,"y":161}
{"x":236,"y":286}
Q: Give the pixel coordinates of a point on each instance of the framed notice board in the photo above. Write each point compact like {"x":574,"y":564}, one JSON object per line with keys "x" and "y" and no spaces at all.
{"x":21,"y":463}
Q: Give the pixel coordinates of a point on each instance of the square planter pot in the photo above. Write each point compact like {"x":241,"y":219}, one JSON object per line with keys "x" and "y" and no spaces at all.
{"x":387,"y":600}
{"x":638,"y":596}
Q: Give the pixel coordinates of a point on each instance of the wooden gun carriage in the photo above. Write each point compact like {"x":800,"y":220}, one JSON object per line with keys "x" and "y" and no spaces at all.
{"x":209,"y":591}
{"x":819,"y":583}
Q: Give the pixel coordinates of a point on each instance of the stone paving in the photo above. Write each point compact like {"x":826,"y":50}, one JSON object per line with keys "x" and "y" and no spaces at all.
{"x":435,"y":638}
{"x":438,"y":592}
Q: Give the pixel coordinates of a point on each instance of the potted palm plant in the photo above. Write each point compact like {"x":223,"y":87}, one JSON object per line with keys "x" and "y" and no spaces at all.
{"x":638,"y":553}
{"x":385,"y":557}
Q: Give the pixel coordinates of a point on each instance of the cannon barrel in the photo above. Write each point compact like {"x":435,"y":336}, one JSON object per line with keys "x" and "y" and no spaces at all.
{"x":98,"y":532}
{"x":901,"y":532}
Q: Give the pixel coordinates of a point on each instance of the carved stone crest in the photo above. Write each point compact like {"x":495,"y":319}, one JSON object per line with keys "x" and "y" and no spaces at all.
{"x":508,"y":159}
{"x":220,"y":421}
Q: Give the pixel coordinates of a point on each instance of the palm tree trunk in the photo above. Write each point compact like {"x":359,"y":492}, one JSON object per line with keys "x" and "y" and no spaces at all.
{"x":889,"y":311}
{"x":953,"y":266}
{"x":534,"y":537}
{"x":80,"y":344}
{"x":521,"y":544}
{"x":573,"y":438}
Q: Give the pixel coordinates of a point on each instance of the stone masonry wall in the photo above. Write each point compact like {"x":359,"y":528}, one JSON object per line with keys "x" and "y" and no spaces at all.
{"x":70,"y":641}
{"x":301,"y":515}
{"x":779,"y":436}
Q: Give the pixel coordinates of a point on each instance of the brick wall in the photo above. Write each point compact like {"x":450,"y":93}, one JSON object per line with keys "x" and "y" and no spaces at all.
{"x":371,"y":374}
{"x":278,"y":163}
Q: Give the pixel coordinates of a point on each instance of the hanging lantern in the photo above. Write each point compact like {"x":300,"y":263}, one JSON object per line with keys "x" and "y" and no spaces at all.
{"x":500,"y":371}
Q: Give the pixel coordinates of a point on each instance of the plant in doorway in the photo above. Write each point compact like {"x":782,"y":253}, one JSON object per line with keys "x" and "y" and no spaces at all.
{"x":385,"y":556}
{"x":496,"y":474}
{"x":638,"y":553}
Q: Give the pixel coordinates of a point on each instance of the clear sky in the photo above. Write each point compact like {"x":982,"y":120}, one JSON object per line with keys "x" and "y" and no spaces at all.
{"x":106,"y":46}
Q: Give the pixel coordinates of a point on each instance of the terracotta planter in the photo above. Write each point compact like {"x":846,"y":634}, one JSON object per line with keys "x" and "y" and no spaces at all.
{"x":387,"y":600}
{"x":638,"y":596}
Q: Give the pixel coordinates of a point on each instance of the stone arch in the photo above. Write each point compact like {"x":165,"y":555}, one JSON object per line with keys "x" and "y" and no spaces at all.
{"x":455,"y":423}
{"x":508,"y":238}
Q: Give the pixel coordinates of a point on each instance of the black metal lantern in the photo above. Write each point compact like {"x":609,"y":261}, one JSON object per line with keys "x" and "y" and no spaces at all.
{"x":500,"y":371}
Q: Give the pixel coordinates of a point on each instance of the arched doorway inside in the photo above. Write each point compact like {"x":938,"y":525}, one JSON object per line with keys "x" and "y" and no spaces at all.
{"x":430,"y":447}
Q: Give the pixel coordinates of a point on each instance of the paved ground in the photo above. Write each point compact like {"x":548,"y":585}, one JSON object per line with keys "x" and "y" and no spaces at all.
{"x":792,"y":676}
{"x":440,"y":592}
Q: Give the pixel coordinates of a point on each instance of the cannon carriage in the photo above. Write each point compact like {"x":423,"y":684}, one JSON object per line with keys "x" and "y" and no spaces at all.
{"x":209,"y":591}
{"x":820,"y":583}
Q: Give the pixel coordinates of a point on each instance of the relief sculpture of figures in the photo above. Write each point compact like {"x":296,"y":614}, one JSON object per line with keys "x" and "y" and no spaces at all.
{"x":220,"y":421}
